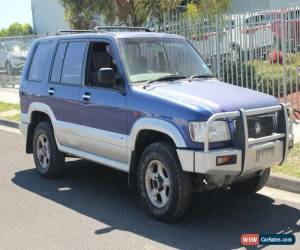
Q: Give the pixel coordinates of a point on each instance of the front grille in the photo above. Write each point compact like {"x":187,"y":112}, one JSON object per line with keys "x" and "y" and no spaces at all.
{"x":260,"y":126}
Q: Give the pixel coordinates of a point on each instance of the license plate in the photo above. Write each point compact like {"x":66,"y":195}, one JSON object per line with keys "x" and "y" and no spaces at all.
{"x":265,"y":155}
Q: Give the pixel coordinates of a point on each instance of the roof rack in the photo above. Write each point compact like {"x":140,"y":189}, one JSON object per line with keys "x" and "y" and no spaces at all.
{"x":99,"y":28}
{"x":76,"y":31}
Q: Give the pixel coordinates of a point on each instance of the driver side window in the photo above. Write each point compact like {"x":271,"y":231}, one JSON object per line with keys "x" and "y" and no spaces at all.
{"x":100,"y":56}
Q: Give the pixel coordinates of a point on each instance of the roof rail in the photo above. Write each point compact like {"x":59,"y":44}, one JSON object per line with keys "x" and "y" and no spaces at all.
{"x":99,"y":28}
{"x":76,"y":31}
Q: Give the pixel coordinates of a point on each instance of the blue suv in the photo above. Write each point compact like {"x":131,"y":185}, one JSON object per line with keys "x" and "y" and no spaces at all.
{"x":147,"y":104}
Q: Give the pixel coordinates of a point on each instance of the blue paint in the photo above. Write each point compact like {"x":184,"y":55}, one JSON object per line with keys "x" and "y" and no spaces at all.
{"x":176,"y":102}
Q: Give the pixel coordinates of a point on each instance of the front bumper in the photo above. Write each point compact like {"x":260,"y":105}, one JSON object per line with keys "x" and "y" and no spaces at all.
{"x":250,"y":154}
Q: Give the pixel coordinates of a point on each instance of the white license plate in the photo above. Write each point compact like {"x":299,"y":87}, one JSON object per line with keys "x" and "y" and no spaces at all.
{"x":265,"y":155}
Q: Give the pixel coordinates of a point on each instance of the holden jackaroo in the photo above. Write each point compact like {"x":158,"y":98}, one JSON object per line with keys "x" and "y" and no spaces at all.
{"x":147,"y":104}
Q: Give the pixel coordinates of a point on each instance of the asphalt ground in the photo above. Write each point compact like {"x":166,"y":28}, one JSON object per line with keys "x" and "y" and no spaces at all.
{"x":91,"y":208}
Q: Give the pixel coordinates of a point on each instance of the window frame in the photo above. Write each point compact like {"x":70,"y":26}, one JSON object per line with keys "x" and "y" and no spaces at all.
{"x":107,"y":41}
{"x":34,"y":49}
{"x":53,"y":60}
{"x":68,"y":41}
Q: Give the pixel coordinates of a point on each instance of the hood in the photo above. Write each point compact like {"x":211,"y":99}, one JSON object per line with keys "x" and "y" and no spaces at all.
{"x":212,"y":95}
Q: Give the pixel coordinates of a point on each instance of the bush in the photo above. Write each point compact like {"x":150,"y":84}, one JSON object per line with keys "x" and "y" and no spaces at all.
{"x":266,"y":77}
{"x":271,"y":78}
{"x":238,"y":74}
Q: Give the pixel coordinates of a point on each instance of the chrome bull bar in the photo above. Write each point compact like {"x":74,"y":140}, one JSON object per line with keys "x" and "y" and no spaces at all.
{"x":242,"y":115}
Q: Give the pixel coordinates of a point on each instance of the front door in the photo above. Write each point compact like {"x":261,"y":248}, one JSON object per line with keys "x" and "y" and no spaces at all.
{"x":102,"y":108}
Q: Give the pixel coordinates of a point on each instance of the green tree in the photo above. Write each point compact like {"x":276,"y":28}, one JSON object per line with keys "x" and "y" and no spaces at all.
{"x":131,"y":12}
{"x":81,"y":13}
{"x":17,"y":29}
{"x":206,"y":8}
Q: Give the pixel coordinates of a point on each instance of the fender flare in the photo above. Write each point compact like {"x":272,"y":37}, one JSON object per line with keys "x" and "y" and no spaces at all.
{"x":148,"y":124}
{"x":155,"y":125}
{"x":39,"y":107}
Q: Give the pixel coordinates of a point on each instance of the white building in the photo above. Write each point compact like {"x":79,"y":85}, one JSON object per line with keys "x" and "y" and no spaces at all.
{"x":255,"y":5}
{"x":47,"y":17}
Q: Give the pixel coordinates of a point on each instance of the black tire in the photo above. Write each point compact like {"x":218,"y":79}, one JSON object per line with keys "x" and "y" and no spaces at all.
{"x":56,"y":164}
{"x":253,"y":184}
{"x":180,"y":188}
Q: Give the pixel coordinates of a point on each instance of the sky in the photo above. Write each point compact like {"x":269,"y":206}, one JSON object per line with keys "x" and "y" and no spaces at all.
{"x":12,"y":11}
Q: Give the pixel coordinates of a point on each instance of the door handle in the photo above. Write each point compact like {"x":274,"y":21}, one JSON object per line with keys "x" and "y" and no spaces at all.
{"x":86,"y":96}
{"x":51,"y":91}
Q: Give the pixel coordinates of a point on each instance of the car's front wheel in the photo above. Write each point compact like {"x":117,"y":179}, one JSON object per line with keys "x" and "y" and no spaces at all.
{"x":164,"y":188}
{"x":253,"y":184}
{"x":49,"y":161}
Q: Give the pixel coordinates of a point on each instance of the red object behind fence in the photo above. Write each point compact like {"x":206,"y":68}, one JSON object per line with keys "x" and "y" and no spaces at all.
{"x":275,"y":56}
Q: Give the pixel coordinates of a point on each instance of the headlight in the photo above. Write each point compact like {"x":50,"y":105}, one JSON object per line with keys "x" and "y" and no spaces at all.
{"x":218,"y":131}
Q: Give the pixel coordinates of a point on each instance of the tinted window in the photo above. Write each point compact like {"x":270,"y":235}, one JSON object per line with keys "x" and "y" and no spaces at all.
{"x":39,"y":62}
{"x":58,"y":62}
{"x":73,"y":63}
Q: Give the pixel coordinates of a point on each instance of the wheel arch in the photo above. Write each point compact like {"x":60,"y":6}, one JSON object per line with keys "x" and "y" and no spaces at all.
{"x":156,"y":125}
{"x":37,"y":113}
{"x":147,"y":131}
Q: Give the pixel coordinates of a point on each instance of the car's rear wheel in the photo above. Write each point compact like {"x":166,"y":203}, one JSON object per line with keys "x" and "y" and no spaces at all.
{"x":49,"y":161}
{"x":253,"y":184}
{"x":164,"y":188}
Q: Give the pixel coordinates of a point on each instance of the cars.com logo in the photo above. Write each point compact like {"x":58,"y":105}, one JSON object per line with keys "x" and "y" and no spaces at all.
{"x":267,"y":239}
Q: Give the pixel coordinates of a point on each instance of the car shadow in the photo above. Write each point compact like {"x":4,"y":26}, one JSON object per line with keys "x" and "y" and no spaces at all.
{"x":215,"y":221}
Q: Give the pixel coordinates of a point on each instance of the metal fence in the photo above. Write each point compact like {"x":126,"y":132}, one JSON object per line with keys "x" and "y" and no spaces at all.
{"x":13,"y":53}
{"x":258,"y":50}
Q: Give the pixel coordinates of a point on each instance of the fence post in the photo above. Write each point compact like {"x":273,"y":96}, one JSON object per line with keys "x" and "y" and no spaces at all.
{"x":283,"y":47}
{"x":218,"y":47}
{"x":164,"y":23}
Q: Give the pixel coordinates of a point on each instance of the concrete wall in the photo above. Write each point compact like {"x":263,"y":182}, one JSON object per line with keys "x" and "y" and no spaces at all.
{"x":47,"y":17}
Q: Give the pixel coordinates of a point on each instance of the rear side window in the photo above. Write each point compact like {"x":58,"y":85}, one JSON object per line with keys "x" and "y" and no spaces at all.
{"x":39,"y":61}
{"x":73,"y":63}
{"x":58,"y":62}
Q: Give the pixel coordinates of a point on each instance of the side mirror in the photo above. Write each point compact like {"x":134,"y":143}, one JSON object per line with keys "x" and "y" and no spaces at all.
{"x":107,"y":76}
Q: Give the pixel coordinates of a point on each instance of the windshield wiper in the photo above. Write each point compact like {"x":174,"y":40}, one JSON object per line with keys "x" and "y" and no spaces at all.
{"x":164,"y":78}
{"x":200,"y":76}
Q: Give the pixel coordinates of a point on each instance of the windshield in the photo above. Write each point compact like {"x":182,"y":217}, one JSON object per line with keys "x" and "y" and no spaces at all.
{"x":15,"y":46}
{"x":147,"y":59}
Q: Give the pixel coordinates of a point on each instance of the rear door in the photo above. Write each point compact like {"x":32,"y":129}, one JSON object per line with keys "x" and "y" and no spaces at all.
{"x":64,"y":90}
